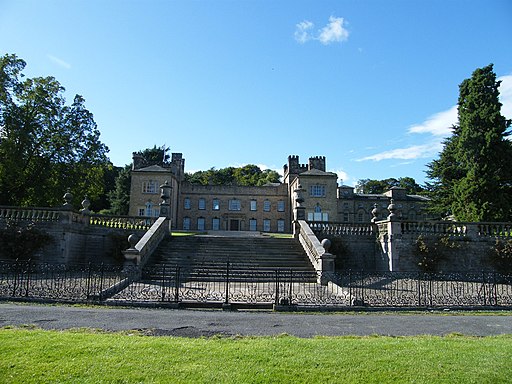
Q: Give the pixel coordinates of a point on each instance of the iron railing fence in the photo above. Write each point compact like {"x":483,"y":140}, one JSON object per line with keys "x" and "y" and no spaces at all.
{"x":58,"y":282}
{"x":244,"y":286}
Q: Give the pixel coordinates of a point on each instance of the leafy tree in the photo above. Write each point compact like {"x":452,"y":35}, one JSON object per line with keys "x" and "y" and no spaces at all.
{"x":371,"y":186}
{"x":248,"y":175}
{"x":46,"y":146}
{"x":472,"y":179}
{"x":155,"y":156}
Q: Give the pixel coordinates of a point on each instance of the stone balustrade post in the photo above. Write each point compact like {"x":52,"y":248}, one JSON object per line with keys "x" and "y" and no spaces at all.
{"x":327,"y":266}
{"x":132,"y":254}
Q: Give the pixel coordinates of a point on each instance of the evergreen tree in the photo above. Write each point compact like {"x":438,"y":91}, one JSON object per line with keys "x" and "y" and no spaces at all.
{"x":472,"y":179}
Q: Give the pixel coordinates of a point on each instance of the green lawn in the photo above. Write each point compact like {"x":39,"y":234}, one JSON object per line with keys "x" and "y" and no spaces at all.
{"x":36,"y":356}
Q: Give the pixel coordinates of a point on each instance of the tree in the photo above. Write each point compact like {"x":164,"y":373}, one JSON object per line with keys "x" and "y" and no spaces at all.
{"x":472,"y":179}
{"x":371,"y":186}
{"x":248,"y":175}
{"x":119,"y":197}
{"x":155,"y":156}
{"x":46,"y":147}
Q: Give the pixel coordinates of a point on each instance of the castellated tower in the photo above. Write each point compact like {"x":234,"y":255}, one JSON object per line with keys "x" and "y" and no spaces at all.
{"x":317,"y":162}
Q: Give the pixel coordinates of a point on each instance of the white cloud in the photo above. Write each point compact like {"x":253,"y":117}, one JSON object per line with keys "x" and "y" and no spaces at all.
{"x":439,"y":124}
{"x":302,"y":31}
{"x":333,"y":32}
{"x":59,"y":62}
{"x":506,"y":95}
{"x":342,"y":176}
{"x":408,"y":153}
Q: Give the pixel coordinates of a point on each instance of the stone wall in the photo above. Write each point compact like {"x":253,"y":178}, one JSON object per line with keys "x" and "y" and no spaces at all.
{"x":75,"y":238}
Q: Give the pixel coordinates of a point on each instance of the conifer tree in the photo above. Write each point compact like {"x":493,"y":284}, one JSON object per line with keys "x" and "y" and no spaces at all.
{"x":472,"y":179}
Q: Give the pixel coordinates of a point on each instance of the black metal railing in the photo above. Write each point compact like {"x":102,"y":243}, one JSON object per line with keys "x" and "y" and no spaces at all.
{"x":241,"y":285}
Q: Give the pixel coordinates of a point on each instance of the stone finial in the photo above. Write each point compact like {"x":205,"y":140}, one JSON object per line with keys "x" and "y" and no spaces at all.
{"x":133,"y":240}
{"x":68,"y":199}
{"x":326,"y":243}
{"x":392,"y":209}
{"x":375,"y":213}
{"x":86,"y":203}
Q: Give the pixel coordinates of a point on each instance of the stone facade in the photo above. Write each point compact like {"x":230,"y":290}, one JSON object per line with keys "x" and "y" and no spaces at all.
{"x":267,"y":208}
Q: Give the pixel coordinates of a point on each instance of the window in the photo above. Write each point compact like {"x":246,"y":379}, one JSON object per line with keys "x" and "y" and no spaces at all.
{"x":266,"y":225}
{"x":360,"y":216}
{"x":216,"y":224}
{"x":186,"y":203}
{"x":317,"y":190}
{"x":151,"y":210}
{"x":202,"y":204}
{"x":234,"y":205}
{"x":280,"y":206}
{"x":142,"y":211}
{"x":186,"y":223}
{"x":280,"y":225}
{"x":345,"y":206}
{"x":254,"y":205}
{"x":215,"y":205}
{"x":253,"y":225}
{"x":150,"y":186}
{"x":317,"y":216}
{"x":200,"y":223}
{"x":266,"y":205}
{"x":345,"y":217}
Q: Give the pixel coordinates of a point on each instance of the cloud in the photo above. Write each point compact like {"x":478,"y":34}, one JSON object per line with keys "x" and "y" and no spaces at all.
{"x":59,"y":62}
{"x":439,"y":126}
{"x":408,"y":153}
{"x":333,"y":32}
{"x":342,"y":176}
{"x":506,"y":95}
{"x":302,"y":31}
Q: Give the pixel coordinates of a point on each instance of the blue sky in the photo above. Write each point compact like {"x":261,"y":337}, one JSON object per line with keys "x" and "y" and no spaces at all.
{"x":371,"y":85}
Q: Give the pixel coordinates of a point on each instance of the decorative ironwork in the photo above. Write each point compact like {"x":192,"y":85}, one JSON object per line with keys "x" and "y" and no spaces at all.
{"x":238,"y":284}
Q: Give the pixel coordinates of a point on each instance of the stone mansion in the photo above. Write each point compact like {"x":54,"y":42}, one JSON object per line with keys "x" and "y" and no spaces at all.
{"x":267,"y":208}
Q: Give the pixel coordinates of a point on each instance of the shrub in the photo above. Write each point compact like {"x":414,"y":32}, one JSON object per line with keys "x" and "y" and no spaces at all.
{"x":501,"y":256}
{"x":22,"y":240}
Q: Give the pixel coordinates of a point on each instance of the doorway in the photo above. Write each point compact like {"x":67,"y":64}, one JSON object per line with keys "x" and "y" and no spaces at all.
{"x":234,"y":225}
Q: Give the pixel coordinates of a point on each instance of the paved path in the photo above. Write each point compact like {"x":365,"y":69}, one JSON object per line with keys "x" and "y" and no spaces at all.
{"x":195,"y":323}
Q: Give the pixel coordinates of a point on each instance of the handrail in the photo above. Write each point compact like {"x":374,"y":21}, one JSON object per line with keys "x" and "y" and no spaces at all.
{"x":145,"y":247}
{"x":311,"y":244}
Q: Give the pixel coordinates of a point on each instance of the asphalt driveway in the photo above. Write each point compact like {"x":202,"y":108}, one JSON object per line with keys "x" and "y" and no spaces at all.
{"x":196,"y":323}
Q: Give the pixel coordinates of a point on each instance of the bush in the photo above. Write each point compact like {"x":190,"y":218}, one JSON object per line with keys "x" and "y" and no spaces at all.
{"x":22,"y":241}
{"x":432,"y":251}
{"x":501,"y":256}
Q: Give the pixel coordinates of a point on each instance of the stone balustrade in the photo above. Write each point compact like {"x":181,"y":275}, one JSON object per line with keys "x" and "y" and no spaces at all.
{"x":35,"y":214}
{"x":435,"y":228}
{"x":122,"y":222}
{"x":339,"y":229}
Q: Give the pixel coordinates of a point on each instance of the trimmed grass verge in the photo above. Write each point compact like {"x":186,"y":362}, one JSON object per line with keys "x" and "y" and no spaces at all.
{"x":86,"y":356}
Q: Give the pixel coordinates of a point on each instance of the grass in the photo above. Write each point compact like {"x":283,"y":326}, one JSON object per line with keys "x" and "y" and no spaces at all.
{"x":87,"y":356}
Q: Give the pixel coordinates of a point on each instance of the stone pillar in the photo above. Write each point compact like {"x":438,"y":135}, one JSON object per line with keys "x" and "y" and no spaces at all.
{"x":131,"y":255}
{"x":165,"y":205}
{"x":299,"y":211}
{"x":394,"y":238}
{"x":327,"y":267}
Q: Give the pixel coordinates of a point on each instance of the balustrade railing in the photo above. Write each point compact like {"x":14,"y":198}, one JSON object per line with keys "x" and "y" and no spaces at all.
{"x":435,"y":228}
{"x":340,"y":229}
{"x":35,"y":214}
{"x":122,"y":222}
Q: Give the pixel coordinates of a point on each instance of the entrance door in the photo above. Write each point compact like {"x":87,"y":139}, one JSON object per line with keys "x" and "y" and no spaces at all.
{"x":234,"y":225}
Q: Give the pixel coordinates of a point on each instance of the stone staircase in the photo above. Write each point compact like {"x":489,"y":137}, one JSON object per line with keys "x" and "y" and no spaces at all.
{"x":206,"y":257}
